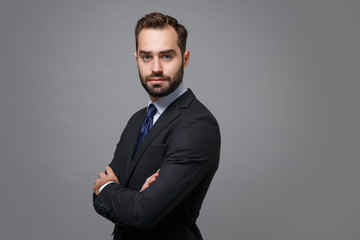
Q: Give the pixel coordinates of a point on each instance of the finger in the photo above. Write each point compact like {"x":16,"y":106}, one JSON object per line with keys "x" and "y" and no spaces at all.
{"x":109,"y":170}
{"x":147,"y":183}
{"x":101,"y":175}
{"x":157,"y":173}
{"x":143,"y":187}
{"x":150,"y":180}
{"x":95,"y":185}
{"x":111,"y":173}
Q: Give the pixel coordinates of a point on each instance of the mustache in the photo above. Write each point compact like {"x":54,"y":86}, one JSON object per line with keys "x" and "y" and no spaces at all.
{"x":157,"y":75}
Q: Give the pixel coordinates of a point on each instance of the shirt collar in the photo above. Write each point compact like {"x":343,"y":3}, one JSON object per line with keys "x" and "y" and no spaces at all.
{"x":164,"y":102}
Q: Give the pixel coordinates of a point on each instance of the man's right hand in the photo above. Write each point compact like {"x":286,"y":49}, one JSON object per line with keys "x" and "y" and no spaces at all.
{"x":150,"y":180}
{"x":109,"y":176}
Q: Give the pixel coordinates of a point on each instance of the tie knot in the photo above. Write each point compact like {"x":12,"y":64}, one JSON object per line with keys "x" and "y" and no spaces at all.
{"x":151,"y":110}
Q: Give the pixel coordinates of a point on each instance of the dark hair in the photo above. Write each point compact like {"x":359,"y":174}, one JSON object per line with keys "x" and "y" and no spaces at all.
{"x":158,"y":21}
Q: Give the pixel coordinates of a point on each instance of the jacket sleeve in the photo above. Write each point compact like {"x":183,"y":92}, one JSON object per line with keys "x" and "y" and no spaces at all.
{"x":193,"y":152}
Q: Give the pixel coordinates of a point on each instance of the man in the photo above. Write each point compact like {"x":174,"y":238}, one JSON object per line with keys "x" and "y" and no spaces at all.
{"x":168,"y":152}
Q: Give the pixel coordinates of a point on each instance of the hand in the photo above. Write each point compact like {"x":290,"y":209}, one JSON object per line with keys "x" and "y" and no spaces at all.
{"x":109,"y":176}
{"x":150,"y":180}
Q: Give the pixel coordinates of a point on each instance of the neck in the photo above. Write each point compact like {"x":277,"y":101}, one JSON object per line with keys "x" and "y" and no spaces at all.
{"x":154,"y":99}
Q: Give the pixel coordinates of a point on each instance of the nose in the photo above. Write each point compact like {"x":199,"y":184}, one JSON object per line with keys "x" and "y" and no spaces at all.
{"x":157,"y":67}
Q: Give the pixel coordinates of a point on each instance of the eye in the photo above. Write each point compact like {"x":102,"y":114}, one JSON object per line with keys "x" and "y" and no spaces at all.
{"x":146,"y":57}
{"x":167,"y":57}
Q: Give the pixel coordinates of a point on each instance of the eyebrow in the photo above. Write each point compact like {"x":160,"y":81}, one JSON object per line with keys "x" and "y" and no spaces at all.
{"x":161,"y":52}
{"x":168,"y":51}
{"x":144,"y":52}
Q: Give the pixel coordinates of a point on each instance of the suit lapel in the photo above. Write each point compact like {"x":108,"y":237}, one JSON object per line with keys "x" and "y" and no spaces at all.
{"x":169,"y":115}
{"x":131,"y":138}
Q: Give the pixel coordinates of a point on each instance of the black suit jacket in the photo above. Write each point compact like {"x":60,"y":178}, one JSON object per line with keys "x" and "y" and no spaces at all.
{"x":184,"y":144}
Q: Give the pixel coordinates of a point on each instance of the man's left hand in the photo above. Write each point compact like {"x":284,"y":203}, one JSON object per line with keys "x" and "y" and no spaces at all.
{"x":109,"y":176}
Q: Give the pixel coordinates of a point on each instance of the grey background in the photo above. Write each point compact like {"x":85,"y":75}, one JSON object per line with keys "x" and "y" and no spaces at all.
{"x":282,"y":78}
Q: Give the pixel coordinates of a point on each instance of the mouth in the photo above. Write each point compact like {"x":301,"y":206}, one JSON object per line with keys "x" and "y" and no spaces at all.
{"x":157,"y":80}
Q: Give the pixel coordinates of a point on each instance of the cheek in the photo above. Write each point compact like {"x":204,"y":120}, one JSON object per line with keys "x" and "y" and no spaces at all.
{"x":173,"y":68}
{"x":143,"y":69}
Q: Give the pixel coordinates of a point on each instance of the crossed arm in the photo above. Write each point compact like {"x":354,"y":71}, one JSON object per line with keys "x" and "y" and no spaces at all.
{"x":110,"y":176}
{"x":191,"y":159}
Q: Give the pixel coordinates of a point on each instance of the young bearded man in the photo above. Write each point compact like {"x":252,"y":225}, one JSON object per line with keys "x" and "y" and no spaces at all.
{"x":168,"y":152}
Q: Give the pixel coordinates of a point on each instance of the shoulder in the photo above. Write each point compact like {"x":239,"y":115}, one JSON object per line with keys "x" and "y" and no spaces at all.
{"x":197,"y":123}
{"x":189,"y":104}
{"x":197,"y":111}
{"x":140,"y":114}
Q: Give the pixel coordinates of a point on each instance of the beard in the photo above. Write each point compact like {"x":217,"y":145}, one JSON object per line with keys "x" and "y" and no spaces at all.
{"x":158,"y":90}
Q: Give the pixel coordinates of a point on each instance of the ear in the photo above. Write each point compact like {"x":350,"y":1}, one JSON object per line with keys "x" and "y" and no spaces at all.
{"x":135,"y":54}
{"x":186,"y":58}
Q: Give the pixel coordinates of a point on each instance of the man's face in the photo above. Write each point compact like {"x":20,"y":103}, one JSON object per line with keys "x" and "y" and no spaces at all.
{"x":160,"y":62}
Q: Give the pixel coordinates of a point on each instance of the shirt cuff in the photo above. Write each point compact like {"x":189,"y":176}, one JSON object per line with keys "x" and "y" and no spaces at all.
{"x":103,"y":186}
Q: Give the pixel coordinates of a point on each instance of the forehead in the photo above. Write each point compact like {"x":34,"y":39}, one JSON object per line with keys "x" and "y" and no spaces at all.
{"x":151,"y":39}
